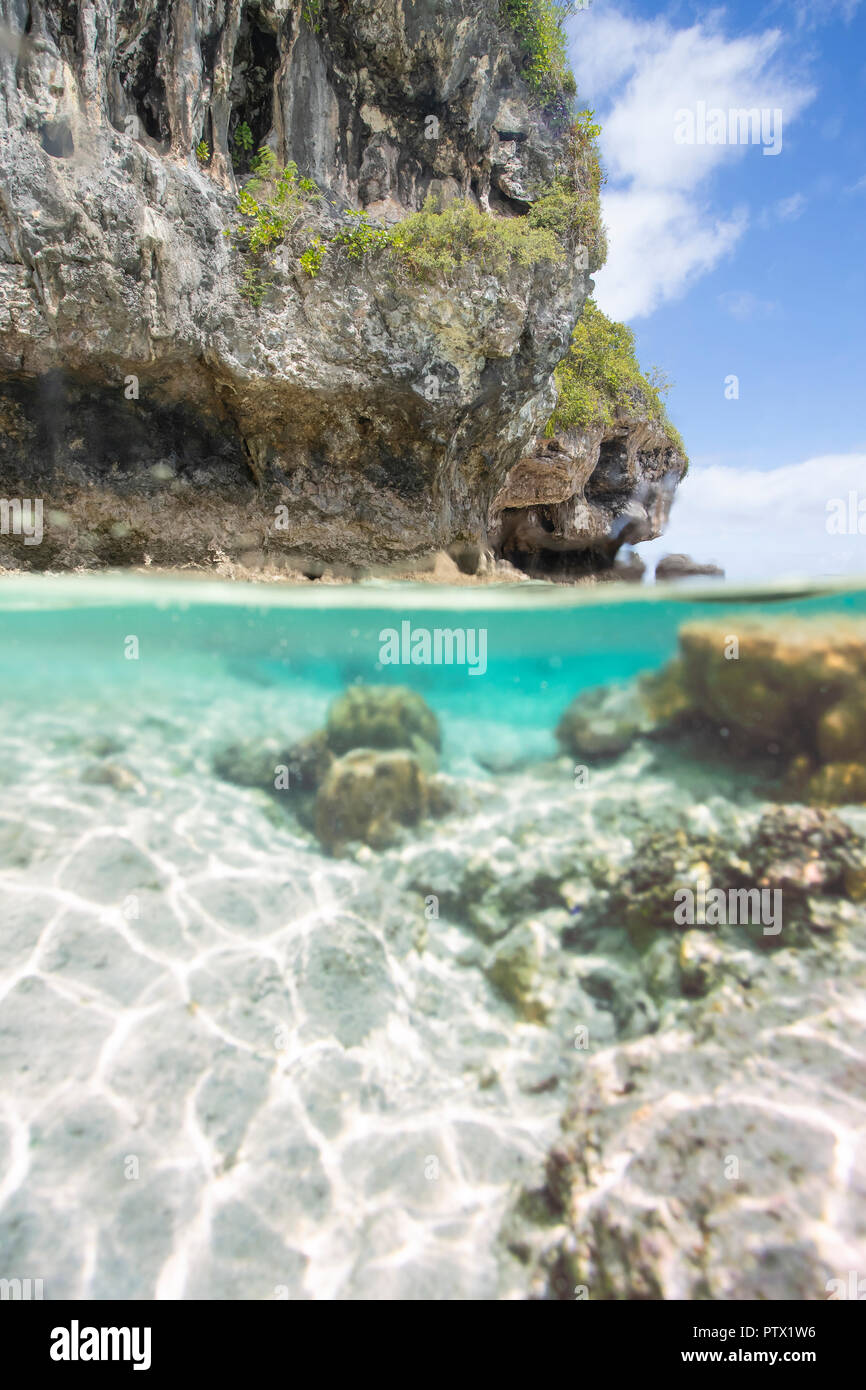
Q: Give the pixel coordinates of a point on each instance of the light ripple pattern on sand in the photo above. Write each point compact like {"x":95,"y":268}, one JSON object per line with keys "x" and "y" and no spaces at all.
{"x":167,"y":1011}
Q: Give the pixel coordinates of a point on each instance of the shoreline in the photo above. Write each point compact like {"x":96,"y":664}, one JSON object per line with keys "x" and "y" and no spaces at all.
{"x":433,"y":589}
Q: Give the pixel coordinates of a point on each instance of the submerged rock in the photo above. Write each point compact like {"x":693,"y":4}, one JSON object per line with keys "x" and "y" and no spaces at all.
{"x":382,"y":716}
{"x":294,"y":771}
{"x":347,"y":781}
{"x":643,"y":896}
{"x":783,"y":691}
{"x":251,"y":762}
{"x":702,"y":1162}
{"x":109,"y":774}
{"x":803,"y":851}
{"x":789,"y":690}
{"x":308,"y":761}
{"x":369,"y":796}
{"x":774,"y":883}
{"x":836,"y":784}
{"x":603,"y":722}
{"x":513,"y":967}
{"x":772,"y":682}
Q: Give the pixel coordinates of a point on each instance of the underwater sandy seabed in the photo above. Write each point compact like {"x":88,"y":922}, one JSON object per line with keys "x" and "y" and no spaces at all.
{"x":236,"y":1065}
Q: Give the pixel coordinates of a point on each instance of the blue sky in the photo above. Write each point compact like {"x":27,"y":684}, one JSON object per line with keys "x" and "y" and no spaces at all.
{"x":730,"y":262}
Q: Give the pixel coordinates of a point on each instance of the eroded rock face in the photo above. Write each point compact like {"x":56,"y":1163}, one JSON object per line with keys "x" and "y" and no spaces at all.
{"x":575,"y":499}
{"x":114,"y":267}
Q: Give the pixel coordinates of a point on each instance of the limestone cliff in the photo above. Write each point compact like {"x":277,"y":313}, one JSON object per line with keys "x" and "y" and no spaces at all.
{"x":169,"y":385}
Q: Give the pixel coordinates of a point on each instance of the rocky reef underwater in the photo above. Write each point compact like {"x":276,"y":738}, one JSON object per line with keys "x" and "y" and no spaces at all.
{"x":532,"y":975}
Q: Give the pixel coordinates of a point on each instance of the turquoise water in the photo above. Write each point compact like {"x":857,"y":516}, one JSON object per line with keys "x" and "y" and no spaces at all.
{"x":233,"y":1065}
{"x":67,"y":636}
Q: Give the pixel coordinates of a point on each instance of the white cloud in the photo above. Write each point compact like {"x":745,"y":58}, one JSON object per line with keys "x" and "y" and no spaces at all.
{"x":637,"y":74}
{"x":762,"y":525}
{"x":743,"y":305}
{"x":810,"y":15}
{"x":789,"y":209}
{"x":660,"y":243}
{"x":784,"y":210}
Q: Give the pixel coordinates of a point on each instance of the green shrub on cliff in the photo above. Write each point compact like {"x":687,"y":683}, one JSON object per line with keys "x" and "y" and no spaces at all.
{"x":360,"y":236}
{"x":434,"y":244}
{"x":253,"y":286}
{"x":571,"y":206}
{"x":311,"y":11}
{"x":242,"y":144}
{"x":581,"y":141}
{"x":600,"y":373}
{"x":574,"y":217}
{"x":311,"y":259}
{"x":270,"y":205}
{"x":538,"y":25}
{"x":272,"y":202}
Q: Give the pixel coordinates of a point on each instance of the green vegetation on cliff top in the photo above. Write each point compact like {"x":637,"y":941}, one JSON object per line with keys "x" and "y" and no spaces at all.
{"x":431,"y":245}
{"x":599,"y":373}
{"x":434,"y":243}
{"x":538,"y":26}
{"x":600,"y":376}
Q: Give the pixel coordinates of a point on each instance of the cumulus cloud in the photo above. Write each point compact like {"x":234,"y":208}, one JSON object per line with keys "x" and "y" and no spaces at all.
{"x":661,"y":241}
{"x":638,"y":74}
{"x":768,"y":525}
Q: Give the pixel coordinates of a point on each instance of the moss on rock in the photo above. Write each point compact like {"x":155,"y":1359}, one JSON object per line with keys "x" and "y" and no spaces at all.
{"x":381,"y":716}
